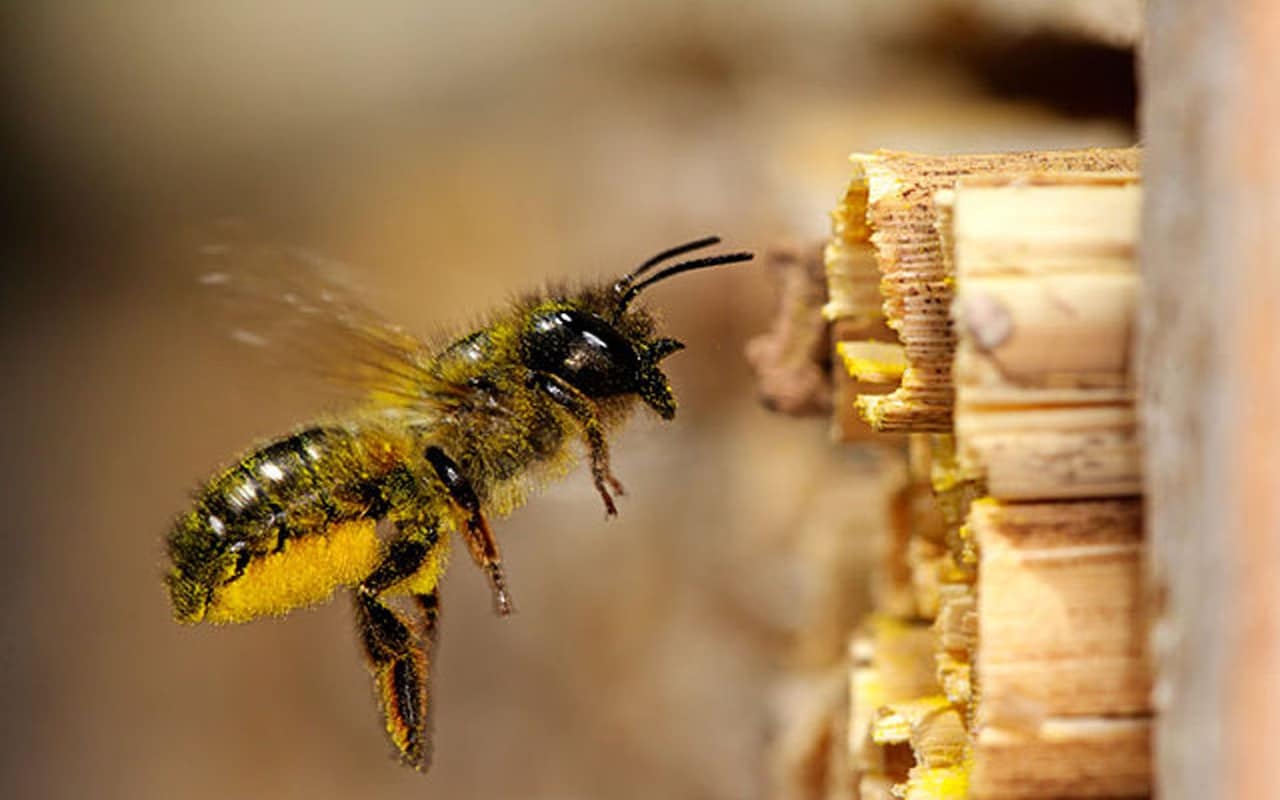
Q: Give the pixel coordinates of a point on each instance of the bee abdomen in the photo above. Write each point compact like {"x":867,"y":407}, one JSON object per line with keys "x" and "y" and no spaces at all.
{"x":294,"y":487}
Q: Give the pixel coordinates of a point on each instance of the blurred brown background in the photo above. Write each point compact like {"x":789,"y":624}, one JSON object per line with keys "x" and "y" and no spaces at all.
{"x":450,"y":155}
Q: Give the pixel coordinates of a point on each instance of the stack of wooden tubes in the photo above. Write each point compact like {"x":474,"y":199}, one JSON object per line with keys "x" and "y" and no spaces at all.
{"x":1006,"y":657}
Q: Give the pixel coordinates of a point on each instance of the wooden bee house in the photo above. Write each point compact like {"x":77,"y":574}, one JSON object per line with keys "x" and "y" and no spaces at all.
{"x":1076,"y":596}
{"x":1010,"y":280}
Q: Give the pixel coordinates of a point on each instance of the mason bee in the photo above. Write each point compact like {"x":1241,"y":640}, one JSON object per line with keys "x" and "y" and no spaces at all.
{"x":445,"y":439}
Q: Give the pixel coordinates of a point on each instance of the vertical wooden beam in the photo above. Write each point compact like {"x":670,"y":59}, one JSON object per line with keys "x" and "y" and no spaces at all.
{"x":1209,"y":350}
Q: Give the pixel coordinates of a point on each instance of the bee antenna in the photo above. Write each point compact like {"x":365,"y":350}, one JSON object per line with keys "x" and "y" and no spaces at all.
{"x":687,"y":247}
{"x":628,"y":291}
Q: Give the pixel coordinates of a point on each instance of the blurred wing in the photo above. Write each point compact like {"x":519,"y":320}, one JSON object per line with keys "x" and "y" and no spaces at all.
{"x":300,"y":312}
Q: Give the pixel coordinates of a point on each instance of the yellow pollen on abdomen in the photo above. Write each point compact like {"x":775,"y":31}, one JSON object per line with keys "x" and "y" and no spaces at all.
{"x":307,"y":571}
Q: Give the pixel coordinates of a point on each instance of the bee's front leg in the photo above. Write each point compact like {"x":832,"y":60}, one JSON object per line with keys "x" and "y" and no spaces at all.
{"x":398,"y":656}
{"x":584,"y":411}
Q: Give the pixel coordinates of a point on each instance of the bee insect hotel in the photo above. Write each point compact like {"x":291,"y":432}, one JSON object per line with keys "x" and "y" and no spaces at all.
{"x":1075,"y":594}
{"x":1006,"y":656}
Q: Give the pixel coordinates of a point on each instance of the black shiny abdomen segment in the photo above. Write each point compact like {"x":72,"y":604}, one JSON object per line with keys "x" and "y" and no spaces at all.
{"x":291,"y":487}
{"x":584,"y":349}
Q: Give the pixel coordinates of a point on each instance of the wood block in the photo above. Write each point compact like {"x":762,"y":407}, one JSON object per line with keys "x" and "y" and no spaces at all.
{"x":1061,"y":758}
{"x":1061,"y":618}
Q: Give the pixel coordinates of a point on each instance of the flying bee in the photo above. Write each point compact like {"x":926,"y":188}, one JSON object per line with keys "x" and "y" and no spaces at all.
{"x":445,"y":438}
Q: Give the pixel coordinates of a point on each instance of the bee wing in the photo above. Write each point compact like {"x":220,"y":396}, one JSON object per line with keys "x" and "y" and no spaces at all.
{"x":301,"y":313}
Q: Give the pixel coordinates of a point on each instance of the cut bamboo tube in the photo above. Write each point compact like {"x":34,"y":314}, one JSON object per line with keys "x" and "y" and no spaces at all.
{"x":1077,"y":757}
{"x":853,"y":281}
{"x":872,"y":361}
{"x":956,"y":483}
{"x":912,"y":559}
{"x":864,"y":362}
{"x":889,"y":204}
{"x":930,"y":566}
{"x":1060,"y":610}
{"x":957,"y":622}
{"x":1061,"y":339}
{"x":891,"y":664}
{"x":930,"y":725}
{"x":868,"y":694}
{"x":1044,"y":306}
{"x":902,"y":656}
{"x":867,"y":360}
{"x":1046,"y":288}
{"x":1050,"y":223}
{"x":955,"y":676}
{"x":1052,"y":453}
{"x":956,"y":629}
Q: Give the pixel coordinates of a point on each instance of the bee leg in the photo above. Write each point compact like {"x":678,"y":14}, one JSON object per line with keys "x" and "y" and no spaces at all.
{"x":584,"y":411}
{"x":397,"y":655}
{"x":478,"y":535}
{"x":429,"y":633}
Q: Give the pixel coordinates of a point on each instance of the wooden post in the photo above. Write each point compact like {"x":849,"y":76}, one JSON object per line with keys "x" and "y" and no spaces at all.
{"x":1209,"y":356}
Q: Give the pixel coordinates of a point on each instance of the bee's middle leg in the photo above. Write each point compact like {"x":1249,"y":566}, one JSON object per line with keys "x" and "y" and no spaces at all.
{"x":478,"y":534}
{"x":398,"y":655}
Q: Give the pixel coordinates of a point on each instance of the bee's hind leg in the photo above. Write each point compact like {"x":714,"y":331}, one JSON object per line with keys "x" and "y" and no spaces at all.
{"x":479,"y":537}
{"x":399,"y":656}
{"x":584,"y":411}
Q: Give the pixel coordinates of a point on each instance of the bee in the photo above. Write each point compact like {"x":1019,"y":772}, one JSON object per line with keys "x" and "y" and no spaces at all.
{"x":445,"y":439}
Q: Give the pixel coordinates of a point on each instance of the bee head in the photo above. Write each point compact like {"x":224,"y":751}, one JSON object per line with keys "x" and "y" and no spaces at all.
{"x":602,"y":346}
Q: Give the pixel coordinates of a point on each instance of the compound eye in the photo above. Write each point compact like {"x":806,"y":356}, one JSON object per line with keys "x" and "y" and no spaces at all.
{"x":583,"y":349}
